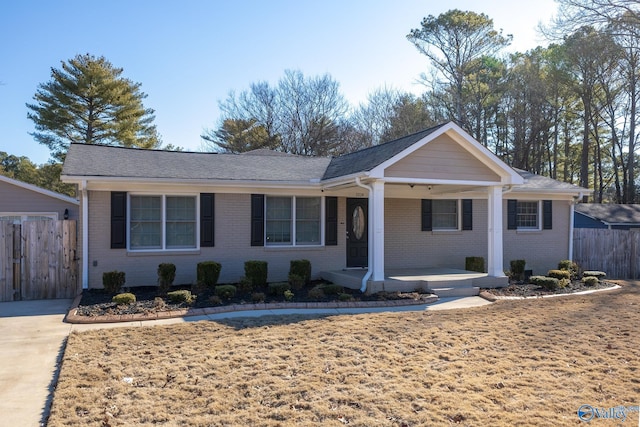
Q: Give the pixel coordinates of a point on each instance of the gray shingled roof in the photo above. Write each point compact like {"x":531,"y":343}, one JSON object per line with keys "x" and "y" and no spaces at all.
{"x":611,"y":213}
{"x":369,"y":158}
{"x":533,"y":182}
{"x":107,"y":161}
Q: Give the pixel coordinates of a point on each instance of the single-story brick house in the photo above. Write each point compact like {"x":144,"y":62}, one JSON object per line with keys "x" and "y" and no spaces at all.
{"x":611,"y":216}
{"x":426,"y":200}
{"x":20,"y":202}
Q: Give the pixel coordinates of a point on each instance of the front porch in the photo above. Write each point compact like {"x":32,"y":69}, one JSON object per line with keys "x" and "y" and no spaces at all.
{"x":444,"y":282}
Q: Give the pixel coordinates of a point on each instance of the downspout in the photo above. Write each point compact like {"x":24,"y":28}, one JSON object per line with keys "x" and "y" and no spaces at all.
{"x":363,"y":285}
{"x":85,"y":236}
{"x":571,"y":224}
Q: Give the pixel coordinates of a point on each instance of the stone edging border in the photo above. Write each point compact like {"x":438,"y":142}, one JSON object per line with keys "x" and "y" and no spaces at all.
{"x":491,"y":297}
{"x":72,"y":317}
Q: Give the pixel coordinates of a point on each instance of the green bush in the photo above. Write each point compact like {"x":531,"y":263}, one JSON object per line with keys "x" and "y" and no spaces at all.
{"x":559,"y":274}
{"x":563,"y":283}
{"x":183,"y":295}
{"x":474,"y":263}
{"x":567,"y":264}
{"x":301,"y":268}
{"x":288,"y":295}
{"x":166,"y":276}
{"x":345,"y":297}
{"x":296,"y":281}
{"x":208,"y":272}
{"x":331,"y":289}
{"x":590,"y":280}
{"x":547,"y":283}
{"x":225,"y":292}
{"x":245,"y":285}
{"x":279,"y":288}
{"x":593,"y":273}
{"x":256,"y":272}
{"x":517,"y":268}
{"x":316,"y":292}
{"x":113,"y":281}
{"x":127,"y":298}
{"x":258,"y":297}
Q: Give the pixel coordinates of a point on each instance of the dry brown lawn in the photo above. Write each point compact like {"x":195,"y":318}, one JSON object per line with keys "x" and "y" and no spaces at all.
{"x":525,"y":363}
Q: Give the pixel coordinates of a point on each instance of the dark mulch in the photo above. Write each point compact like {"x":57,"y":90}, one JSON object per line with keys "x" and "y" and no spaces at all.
{"x":96,"y":302}
{"x":523,"y":289}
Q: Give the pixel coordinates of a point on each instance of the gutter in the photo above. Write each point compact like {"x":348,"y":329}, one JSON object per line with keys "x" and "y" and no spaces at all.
{"x":363,"y":285}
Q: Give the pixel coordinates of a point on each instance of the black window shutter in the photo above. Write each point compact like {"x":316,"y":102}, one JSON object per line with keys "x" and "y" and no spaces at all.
{"x":426,"y":215}
{"x":257,"y":220}
{"x":467,"y":214}
{"x":331,"y":221}
{"x":118,"y":220}
{"x":512,"y":212}
{"x":547,"y":215}
{"x":207,"y":219}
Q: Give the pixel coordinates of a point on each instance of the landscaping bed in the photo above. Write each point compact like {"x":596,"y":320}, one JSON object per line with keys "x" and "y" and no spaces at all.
{"x":97,"y":302}
{"x":524,"y":289}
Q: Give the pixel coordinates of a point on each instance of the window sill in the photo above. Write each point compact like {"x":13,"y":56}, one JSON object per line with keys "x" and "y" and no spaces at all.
{"x":294,"y":248}
{"x":528,"y":231}
{"x":172,"y":252}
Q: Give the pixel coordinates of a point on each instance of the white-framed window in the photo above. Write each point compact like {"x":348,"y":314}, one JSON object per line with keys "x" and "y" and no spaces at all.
{"x":527,"y":215}
{"x":445,"y":215}
{"x":293,"y":221}
{"x":20,"y":217}
{"x":163,"y":222}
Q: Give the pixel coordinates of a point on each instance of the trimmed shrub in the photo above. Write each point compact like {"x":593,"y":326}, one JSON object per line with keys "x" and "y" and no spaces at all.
{"x":296,"y":281}
{"x":345,"y":297}
{"x":256,"y":272}
{"x":182,"y":295}
{"x":166,"y":276}
{"x":301,"y":268}
{"x":208,"y":272}
{"x":567,"y":264}
{"x":590,"y":280}
{"x":279,"y":288}
{"x":288,"y":295}
{"x":517,"y":268}
{"x":258,"y":297}
{"x":113,"y":281}
{"x":563,"y":283}
{"x":593,"y":273}
{"x":225,"y":292}
{"x":331,"y":289}
{"x":547,"y":283}
{"x":245,"y":285}
{"x":559,"y":274}
{"x":474,"y":263}
{"x":316,"y":292}
{"x":127,"y":298}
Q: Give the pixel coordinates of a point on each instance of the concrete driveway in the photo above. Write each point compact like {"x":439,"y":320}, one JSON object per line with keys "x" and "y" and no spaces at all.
{"x":32,"y":337}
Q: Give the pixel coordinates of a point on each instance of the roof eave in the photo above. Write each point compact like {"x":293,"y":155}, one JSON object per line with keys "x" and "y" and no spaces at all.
{"x":312,"y":183}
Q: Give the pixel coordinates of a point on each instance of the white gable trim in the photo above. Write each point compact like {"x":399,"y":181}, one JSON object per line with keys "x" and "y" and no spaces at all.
{"x":507,"y":174}
{"x":39,"y":190}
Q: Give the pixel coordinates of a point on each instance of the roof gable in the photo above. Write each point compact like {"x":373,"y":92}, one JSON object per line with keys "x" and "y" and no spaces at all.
{"x":39,"y":190}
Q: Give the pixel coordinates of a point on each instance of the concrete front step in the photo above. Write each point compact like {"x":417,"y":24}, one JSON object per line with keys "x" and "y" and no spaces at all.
{"x":467,"y":291}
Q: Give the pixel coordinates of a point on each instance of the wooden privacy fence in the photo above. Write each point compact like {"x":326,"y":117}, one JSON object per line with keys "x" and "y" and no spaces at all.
{"x":616,"y":252}
{"x":38,"y":260}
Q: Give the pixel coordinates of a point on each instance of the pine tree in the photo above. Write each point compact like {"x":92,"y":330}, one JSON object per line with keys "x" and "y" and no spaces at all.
{"x":87,"y":101}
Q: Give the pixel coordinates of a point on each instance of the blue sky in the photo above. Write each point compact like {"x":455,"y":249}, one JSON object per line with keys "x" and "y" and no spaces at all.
{"x":188,"y":55}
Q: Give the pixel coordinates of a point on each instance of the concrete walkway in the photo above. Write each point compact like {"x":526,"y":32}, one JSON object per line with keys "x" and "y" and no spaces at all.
{"x":33,"y":339}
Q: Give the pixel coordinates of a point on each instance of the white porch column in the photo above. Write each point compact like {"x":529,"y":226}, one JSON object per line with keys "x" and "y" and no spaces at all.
{"x":495,"y":267}
{"x":376,"y":218}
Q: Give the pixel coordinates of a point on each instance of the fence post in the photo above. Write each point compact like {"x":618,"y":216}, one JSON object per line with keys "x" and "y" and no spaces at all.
{"x":17,"y":262}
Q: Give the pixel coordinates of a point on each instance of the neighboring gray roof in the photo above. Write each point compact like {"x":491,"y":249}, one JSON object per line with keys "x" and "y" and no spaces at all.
{"x":611,"y":213}
{"x":533,"y":181}
{"x":108,"y":161}
{"x":369,"y":158}
{"x":40,"y":190}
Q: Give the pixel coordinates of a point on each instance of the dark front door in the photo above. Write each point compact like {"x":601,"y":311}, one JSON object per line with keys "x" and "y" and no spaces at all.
{"x":357,"y":226}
